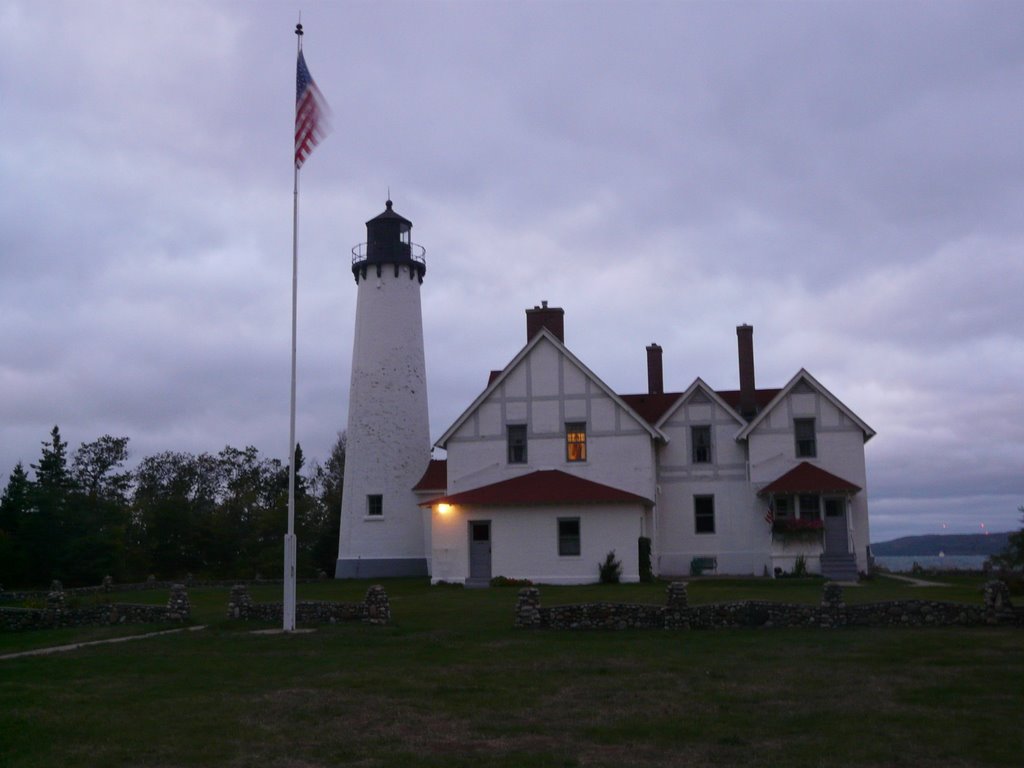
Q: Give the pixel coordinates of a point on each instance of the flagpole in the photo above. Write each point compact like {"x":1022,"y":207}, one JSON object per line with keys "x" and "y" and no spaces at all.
{"x":288,"y":605}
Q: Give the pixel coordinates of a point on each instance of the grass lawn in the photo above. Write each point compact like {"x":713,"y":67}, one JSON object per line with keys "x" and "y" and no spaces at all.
{"x":450,"y":682}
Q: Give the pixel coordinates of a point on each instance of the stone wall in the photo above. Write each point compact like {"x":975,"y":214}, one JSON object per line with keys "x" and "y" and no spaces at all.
{"x":375,"y":609}
{"x":109,"y":585}
{"x":996,"y":608}
{"x":55,"y":614}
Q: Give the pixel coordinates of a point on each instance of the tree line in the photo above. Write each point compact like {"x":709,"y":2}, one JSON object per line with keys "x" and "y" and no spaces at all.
{"x":83,"y":516}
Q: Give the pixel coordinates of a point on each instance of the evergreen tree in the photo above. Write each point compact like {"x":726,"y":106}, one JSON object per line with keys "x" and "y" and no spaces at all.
{"x":15,"y":504}
{"x":45,"y":539}
{"x":1013,"y":556}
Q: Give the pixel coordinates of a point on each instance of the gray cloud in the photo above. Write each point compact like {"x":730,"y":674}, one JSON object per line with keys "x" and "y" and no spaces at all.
{"x":846,"y":177}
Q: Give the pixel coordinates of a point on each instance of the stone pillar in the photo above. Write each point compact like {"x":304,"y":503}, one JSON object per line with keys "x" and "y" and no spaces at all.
{"x":377,"y":605}
{"x":677,"y":609}
{"x":677,"y":595}
{"x":178,"y":606}
{"x":832,"y":596}
{"x":108,"y":583}
{"x":997,"y":601}
{"x":239,"y":603}
{"x":528,"y":608}
{"x":55,"y":600}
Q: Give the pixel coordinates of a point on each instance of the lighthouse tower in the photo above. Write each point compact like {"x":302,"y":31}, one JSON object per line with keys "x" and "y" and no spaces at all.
{"x":383,"y":531}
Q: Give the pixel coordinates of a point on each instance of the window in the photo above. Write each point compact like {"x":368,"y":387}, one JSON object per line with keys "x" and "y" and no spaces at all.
{"x":576,"y":441}
{"x":783,"y":507}
{"x":516,"y":443}
{"x":375,"y":505}
{"x":704,"y":514}
{"x":568,"y":536}
{"x":700,"y":440}
{"x":810,"y":507}
{"x":806,"y":445}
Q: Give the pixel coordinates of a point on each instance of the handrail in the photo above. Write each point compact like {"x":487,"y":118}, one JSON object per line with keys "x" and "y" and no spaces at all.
{"x":417,"y":253}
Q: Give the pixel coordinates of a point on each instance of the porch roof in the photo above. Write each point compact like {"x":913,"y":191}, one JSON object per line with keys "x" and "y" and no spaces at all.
{"x":807,"y":478}
{"x":546,"y":486}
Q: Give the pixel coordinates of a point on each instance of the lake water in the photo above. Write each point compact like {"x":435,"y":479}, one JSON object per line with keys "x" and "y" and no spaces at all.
{"x":904,"y":563}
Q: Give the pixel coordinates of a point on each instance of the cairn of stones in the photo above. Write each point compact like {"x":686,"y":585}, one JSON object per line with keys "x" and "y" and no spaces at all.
{"x":378,"y":607}
{"x":996,"y":595}
{"x":55,"y":599}
{"x":677,"y":606}
{"x":178,"y":606}
{"x":832,"y":596}
{"x":528,"y":607}
{"x":239,"y":602}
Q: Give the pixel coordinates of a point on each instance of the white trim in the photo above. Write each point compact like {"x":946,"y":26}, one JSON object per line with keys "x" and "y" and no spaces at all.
{"x":702,"y":385}
{"x":545,"y":334}
{"x":802,"y":374}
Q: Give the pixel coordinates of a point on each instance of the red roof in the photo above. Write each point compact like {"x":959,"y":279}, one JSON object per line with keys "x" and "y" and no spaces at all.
{"x":761,"y":397}
{"x":653,"y":407}
{"x":435,"y":478}
{"x":807,"y":478}
{"x":548,"y":486}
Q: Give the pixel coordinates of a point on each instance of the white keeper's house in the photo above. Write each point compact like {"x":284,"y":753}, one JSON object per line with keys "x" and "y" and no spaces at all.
{"x":548,"y":469}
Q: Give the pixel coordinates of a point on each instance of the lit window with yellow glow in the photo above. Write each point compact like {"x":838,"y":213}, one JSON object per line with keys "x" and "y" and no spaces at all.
{"x":576,"y":441}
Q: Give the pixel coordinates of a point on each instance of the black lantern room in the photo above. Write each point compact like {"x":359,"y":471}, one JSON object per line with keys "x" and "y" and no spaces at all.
{"x":389,"y":241}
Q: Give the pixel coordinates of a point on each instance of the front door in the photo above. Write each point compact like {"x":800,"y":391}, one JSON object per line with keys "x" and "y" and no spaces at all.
{"x":836,"y":536}
{"x":480,"y":550}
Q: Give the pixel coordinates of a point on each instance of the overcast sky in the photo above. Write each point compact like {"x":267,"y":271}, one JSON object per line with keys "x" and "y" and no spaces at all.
{"x":846,"y":177}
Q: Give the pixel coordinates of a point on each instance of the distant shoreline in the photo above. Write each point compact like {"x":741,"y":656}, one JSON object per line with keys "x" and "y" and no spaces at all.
{"x":906,"y":563}
{"x":935,"y":545}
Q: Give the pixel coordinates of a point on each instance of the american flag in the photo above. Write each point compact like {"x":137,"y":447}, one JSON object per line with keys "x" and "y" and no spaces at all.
{"x":311,"y":113}
{"x":769,"y":516}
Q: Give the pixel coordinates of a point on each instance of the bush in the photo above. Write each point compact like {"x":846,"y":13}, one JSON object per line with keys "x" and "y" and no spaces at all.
{"x":506,"y":581}
{"x":610,"y":570}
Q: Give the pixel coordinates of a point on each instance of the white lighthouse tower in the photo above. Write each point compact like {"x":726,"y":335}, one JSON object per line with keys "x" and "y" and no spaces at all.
{"x":383,"y":531}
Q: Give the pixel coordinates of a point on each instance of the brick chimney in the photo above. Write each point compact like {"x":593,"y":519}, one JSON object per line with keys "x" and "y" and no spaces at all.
{"x":745,"y":344}
{"x":655,"y":378}
{"x":552,"y":318}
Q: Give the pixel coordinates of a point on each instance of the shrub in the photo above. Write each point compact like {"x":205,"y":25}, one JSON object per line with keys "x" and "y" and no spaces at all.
{"x":506,"y":581}
{"x":800,"y":567}
{"x":610,"y":570}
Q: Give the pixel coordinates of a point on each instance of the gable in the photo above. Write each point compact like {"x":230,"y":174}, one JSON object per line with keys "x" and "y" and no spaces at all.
{"x":542,"y":385}
{"x":701,"y":403}
{"x":803,"y":391}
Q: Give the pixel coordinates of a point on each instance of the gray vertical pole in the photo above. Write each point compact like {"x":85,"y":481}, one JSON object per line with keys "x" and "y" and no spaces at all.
{"x":288,"y":605}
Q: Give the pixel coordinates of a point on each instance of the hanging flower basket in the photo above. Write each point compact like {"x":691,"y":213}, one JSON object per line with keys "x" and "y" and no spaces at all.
{"x":797,"y":530}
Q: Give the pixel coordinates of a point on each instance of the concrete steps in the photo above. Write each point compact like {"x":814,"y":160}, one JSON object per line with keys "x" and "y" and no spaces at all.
{"x":839,"y":567}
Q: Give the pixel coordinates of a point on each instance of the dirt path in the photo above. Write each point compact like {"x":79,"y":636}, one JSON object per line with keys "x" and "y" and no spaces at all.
{"x":76,"y":646}
{"x":915,"y":582}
